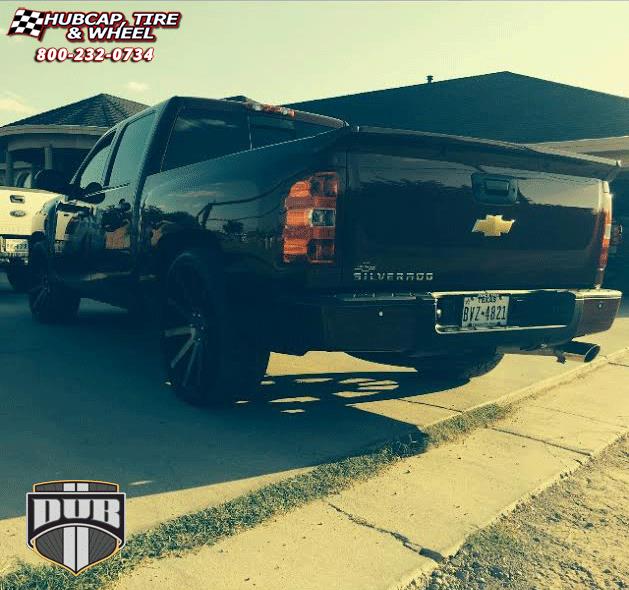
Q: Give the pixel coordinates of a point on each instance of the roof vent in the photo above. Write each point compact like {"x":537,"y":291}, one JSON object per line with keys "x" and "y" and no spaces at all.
{"x":429,"y":79}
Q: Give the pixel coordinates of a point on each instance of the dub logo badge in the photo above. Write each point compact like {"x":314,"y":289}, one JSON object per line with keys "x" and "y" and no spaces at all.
{"x":75,"y":524}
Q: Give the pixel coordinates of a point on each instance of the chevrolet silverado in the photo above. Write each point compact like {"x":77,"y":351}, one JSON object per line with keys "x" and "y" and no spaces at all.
{"x":244,"y":228}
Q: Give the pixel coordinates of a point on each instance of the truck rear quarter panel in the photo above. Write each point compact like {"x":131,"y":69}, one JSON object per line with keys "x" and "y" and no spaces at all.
{"x":236,"y":200}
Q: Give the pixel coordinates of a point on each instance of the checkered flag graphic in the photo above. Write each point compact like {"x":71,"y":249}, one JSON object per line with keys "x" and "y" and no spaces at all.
{"x":27,"y":22}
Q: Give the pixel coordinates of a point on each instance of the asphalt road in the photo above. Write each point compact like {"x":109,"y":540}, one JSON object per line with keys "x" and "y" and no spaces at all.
{"x":87,"y":401}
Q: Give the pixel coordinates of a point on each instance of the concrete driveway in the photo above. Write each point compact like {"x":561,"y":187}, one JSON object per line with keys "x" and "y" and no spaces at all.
{"x":87,"y":401}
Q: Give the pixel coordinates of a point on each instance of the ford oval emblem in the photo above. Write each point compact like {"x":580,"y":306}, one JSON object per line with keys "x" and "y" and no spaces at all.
{"x":18,"y":213}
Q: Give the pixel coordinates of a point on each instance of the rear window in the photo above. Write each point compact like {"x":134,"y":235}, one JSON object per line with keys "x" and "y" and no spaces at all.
{"x":268,"y":130}
{"x":202,"y":134}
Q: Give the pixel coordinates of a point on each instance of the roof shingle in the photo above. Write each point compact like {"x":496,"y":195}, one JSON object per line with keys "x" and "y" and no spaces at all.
{"x":102,"y":110}
{"x":503,"y":106}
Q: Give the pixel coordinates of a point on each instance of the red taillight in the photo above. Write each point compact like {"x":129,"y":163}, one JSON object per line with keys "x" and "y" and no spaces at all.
{"x":310,"y":225}
{"x":606,"y":235}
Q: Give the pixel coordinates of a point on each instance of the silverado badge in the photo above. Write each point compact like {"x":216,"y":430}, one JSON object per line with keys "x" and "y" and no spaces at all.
{"x":367,"y":271}
{"x":493,"y":226}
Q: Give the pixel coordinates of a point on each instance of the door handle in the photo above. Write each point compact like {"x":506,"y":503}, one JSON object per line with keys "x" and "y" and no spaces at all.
{"x":497,"y":187}
{"x":494,"y":189}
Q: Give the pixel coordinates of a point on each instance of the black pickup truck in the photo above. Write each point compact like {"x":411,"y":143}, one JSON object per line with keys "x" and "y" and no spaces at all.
{"x":245,"y":228}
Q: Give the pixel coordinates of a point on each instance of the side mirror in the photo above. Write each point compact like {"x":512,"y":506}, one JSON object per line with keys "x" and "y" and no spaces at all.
{"x":92,"y":193}
{"x":53,"y":181}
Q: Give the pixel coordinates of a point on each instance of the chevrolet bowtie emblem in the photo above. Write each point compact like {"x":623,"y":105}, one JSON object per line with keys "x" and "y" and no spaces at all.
{"x":493,"y":226}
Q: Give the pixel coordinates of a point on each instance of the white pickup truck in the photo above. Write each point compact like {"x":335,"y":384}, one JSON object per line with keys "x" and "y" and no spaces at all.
{"x":17,"y":208}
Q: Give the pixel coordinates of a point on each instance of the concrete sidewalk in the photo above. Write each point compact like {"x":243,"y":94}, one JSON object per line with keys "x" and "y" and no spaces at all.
{"x":389,"y":530}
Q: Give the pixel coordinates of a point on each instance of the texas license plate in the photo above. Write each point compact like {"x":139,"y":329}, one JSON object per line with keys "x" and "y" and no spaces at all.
{"x":485,"y":311}
{"x":14,"y":246}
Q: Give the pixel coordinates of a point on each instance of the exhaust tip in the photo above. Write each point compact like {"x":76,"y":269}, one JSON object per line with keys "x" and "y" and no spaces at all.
{"x":592,"y":353}
{"x":585,"y":352}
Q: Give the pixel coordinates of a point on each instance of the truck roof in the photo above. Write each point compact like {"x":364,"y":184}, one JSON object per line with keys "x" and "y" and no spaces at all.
{"x":246,"y":103}
{"x":597,"y":166}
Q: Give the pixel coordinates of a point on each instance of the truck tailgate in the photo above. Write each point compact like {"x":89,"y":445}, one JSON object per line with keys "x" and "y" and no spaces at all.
{"x":432,"y":213}
{"x":17,"y":207}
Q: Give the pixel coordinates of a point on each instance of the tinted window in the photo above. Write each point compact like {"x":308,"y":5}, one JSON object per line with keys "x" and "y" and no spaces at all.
{"x":202,"y":134}
{"x":130,"y":151}
{"x":23,"y":180}
{"x":304,"y":129}
{"x":95,"y":168}
{"x":267,"y":130}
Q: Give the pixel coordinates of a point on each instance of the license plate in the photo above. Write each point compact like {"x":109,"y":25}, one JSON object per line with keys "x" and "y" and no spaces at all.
{"x":485,"y":311}
{"x":15,"y":246}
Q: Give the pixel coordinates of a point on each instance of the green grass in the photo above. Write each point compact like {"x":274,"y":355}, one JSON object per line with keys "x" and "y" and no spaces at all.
{"x":208,"y":526}
{"x":460,"y":425}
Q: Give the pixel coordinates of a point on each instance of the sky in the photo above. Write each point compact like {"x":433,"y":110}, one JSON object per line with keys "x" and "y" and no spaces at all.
{"x":286,"y":51}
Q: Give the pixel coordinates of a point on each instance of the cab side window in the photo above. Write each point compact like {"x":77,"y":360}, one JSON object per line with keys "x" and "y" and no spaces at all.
{"x":270,"y":129}
{"x":307,"y":129}
{"x":130,"y":152}
{"x":267,"y":130}
{"x":202,"y":134}
{"x":94,"y":170}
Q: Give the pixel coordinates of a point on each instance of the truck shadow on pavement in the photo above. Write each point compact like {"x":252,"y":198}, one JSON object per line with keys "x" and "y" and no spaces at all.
{"x":297,"y":393}
{"x":87,"y":401}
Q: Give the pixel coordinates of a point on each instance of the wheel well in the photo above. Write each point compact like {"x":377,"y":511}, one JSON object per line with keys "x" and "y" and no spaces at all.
{"x":170,"y":246}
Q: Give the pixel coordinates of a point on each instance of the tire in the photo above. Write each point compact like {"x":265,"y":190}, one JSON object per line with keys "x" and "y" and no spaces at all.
{"x":19,"y":277}
{"x":458,"y":367}
{"x":49,"y":300}
{"x":210,"y":352}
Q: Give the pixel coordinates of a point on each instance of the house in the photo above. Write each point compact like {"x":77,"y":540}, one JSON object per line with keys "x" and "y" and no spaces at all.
{"x":59,"y":138}
{"x":502,"y":106}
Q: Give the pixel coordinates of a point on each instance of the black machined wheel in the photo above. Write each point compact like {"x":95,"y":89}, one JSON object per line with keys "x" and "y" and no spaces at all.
{"x":189,"y":333}
{"x":208,"y":357}
{"x":50,"y":302}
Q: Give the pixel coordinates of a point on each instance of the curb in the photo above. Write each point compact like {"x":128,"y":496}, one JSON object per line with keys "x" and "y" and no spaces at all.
{"x":551,"y":382}
{"x":540,"y":387}
{"x":416,"y":580}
